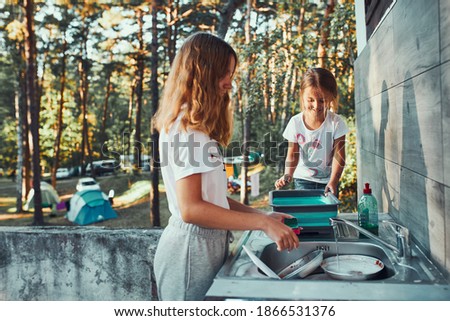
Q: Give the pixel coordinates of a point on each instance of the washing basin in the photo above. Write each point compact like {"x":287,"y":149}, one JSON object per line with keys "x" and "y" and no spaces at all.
{"x":277,"y":261}
{"x":418,"y":278}
{"x":416,"y":271}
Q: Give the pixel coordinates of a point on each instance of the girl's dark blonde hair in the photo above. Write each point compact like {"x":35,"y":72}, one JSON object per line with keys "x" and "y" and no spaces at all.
{"x":324,"y":81}
{"x":193,"y":81}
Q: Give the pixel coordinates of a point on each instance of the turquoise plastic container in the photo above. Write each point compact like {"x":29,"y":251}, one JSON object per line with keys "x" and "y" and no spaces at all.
{"x":311,"y":207}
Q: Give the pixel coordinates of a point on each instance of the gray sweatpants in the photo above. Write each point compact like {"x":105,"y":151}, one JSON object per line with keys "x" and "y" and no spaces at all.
{"x":187,"y":259}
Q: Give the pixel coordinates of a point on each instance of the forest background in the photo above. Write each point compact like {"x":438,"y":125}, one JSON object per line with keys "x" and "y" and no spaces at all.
{"x":80,"y":81}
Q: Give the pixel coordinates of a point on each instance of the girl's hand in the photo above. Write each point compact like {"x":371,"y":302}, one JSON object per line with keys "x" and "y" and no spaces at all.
{"x":281,"y":234}
{"x":283,"y":181}
{"x":280,"y":216}
{"x":331,"y":188}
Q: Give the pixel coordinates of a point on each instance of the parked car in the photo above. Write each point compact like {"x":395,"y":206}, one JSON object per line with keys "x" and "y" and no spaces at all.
{"x":62,"y":172}
{"x":101,"y":168}
{"x":87,"y":183}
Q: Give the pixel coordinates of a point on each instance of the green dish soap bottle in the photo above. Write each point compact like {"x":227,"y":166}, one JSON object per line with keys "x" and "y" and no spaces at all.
{"x":368,"y":211}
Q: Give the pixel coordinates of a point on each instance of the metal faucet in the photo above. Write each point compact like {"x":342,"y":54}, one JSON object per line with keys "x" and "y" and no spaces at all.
{"x":403,"y":249}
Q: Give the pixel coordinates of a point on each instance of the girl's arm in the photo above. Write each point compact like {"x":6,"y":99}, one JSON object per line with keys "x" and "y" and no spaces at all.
{"x":337,"y":165}
{"x":195,"y":210}
{"x":289,"y":165}
{"x":237,"y":206}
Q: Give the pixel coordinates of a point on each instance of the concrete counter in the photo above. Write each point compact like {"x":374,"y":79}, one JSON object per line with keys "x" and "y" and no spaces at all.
{"x":77,"y":263}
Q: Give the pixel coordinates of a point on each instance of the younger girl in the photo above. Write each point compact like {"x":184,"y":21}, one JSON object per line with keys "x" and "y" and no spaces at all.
{"x":316,"y":153}
{"x":193,"y":119}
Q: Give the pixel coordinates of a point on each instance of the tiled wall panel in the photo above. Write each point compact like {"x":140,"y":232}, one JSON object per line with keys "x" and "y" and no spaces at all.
{"x":403,"y":120}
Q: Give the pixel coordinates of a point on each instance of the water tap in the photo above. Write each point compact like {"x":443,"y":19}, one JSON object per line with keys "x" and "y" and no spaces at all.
{"x":402,"y":248}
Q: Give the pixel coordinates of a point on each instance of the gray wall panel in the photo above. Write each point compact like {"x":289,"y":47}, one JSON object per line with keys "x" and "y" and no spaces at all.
{"x":361,"y":74}
{"x":371,"y":79}
{"x":389,"y":187}
{"x":447,"y":226}
{"x":416,"y":37}
{"x":387,"y":125}
{"x":366,"y":132}
{"x":421,"y":136}
{"x":380,"y":68}
{"x":436,"y":219}
{"x":445,"y":112}
{"x":444,"y":19}
{"x":403,"y":118}
{"x":413,"y":206}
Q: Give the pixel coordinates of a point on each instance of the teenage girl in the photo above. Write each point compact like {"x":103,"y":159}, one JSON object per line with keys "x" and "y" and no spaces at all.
{"x":193,"y":119}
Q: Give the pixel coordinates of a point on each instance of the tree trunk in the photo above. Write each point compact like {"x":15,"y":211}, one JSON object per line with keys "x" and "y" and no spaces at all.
{"x":127,"y":134}
{"x":105,"y":105}
{"x":139,"y":92}
{"x":226,"y":15}
{"x":324,"y":34}
{"x":59,"y":124}
{"x":154,"y":191}
{"x":247,"y":115}
{"x":301,"y":20}
{"x":19,"y":204}
{"x":88,"y":147}
{"x":26,"y":137}
{"x":82,"y":91}
{"x":266,"y":84}
{"x":171,"y":12}
{"x":31,"y":75}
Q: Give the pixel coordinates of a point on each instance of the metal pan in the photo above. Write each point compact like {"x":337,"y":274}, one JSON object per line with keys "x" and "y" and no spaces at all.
{"x":352,"y":267}
{"x":303,"y":266}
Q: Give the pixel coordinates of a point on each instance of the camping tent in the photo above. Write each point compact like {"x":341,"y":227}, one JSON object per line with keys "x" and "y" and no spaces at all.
{"x":90,"y":206}
{"x":49,"y":196}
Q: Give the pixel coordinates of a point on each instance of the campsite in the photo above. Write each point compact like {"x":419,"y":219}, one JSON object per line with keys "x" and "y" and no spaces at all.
{"x":131,"y":202}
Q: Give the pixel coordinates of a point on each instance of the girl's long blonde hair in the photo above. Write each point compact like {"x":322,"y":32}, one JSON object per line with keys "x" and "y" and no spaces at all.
{"x":193,"y":83}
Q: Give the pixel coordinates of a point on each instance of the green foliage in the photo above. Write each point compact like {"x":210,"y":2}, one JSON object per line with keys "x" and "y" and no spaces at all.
{"x":267,"y":179}
{"x":348,"y":183}
{"x":269,"y":74}
{"x":7,"y":114}
{"x":9,"y":143}
{"x":267,"y":80}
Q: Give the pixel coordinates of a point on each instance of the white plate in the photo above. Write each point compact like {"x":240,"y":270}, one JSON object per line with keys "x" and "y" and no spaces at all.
{"x":352,"y":267}
{"x":263,"y":267}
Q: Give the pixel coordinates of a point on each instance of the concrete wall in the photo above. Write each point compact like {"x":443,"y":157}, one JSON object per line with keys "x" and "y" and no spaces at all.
{"x":77,"y":263}
{"x":402,"y":96}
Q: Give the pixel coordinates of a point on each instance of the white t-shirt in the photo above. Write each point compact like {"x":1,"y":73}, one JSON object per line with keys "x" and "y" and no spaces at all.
{"x":184,"y":153}
{"x":315,"y":146}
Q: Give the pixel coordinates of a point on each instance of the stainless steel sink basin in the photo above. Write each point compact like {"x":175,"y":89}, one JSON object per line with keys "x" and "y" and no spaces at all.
{"x":278,"y":260}
{"x":417,"y":279}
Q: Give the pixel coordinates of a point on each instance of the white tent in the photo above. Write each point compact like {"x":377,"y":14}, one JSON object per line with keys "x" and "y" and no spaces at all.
{"x":49,"y":195}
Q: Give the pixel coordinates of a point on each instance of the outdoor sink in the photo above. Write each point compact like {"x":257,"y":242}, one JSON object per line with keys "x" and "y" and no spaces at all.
{"x":416,"y":278}
{"x":279,"y":260}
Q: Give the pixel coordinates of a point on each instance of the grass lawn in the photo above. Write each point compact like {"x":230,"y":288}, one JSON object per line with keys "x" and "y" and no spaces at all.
{"x":131,"y":202}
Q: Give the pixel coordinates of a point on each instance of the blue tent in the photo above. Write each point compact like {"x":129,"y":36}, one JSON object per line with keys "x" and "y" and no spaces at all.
{"x":90,"y":206}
